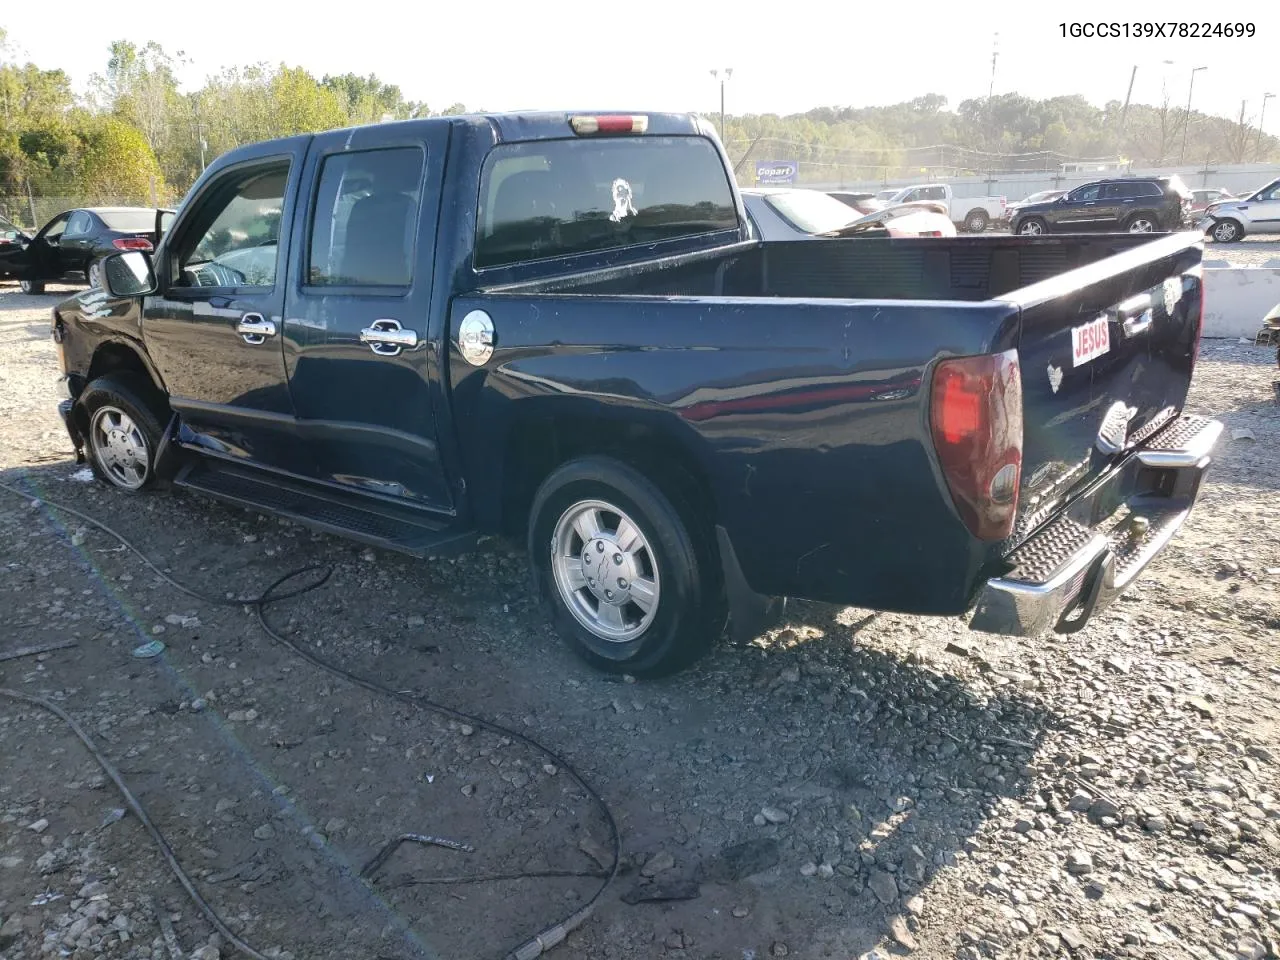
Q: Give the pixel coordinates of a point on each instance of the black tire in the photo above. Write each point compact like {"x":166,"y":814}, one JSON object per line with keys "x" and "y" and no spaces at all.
{"x":1031,"y":227}
{"x":690,"y":611}
{"x":976,"y":221}
{"x":32,"y":287}
{"x":1226,"y":231}
{"x":89,"y":272}
{"x":142,"y":404}
{"x":1142,"y":223}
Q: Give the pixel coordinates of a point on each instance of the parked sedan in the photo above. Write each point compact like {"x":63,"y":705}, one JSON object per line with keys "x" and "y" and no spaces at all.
{"x":862,"y":202}
{"x":69,"y":246}
{"x":1203,"y":199}
{"x":790,"y":213}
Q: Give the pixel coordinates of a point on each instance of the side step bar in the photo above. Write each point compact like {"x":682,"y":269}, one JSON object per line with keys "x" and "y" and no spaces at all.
{"x":1066,"y":571}
{"x":401,"y":530}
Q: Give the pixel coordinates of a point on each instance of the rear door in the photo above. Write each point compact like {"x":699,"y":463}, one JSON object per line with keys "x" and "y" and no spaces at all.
{"x":360,"y":280}
{"x":1106,"y":356}
{"x":77,"y":241}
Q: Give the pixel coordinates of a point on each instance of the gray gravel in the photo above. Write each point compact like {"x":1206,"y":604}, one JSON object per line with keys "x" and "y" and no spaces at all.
{"x":847,"y":785}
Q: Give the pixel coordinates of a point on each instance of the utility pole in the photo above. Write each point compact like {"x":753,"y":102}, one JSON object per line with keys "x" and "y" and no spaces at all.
{"x":728,"y":72}
{"x":1186,"y":123}
{"x":1261,"y":119}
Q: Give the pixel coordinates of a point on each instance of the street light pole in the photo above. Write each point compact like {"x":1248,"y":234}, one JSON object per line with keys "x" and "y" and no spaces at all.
{"x":728,"y":72}
{"x":1261,"y":119}
{"x":1186,"y":123}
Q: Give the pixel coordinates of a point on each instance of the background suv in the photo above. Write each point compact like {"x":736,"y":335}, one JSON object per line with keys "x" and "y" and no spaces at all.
{"x":1135,"y":204}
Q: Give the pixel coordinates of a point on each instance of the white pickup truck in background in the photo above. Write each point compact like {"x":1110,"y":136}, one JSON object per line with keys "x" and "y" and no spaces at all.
{"x":973,"y":214}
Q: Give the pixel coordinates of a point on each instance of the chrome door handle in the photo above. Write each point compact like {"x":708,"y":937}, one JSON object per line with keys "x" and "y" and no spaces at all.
{"x":387,"y":338}
{"x":254,"y":329}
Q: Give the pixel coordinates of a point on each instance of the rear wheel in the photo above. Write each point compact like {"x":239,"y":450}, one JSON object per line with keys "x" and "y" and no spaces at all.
{"x":1032,"y":227}
{"x":1142,"y":223}
{"x":33,"y":287}
{"x":977,"y":221}
{"x":94,"y":274}
{"x":1226,"y":231}
{"x":628,"y":579}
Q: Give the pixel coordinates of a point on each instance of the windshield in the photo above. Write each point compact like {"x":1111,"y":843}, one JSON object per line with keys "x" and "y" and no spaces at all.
{"x":886,"y":194}
{"x":128,"y":219}
{"x":1270,"y":192}
{"x":810,"y":211}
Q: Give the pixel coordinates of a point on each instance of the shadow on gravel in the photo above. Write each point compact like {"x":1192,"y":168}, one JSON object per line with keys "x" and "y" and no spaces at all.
{"x":816,"y":779}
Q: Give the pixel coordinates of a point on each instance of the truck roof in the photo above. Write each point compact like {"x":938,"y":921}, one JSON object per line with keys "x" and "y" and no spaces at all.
{"x":518,"y":126}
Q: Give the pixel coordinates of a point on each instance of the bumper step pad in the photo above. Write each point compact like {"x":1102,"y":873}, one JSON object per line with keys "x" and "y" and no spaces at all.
{"x":1066,"y":571}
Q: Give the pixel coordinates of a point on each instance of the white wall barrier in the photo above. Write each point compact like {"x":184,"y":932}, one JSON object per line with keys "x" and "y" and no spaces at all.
{"x":1237,"y":298}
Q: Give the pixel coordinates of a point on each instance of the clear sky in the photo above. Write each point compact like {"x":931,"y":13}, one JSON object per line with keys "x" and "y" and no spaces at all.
{"x":657,"y":54}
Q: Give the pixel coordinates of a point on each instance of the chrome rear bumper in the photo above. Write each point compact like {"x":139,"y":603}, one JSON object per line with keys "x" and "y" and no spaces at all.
{"x":1066,"y":572}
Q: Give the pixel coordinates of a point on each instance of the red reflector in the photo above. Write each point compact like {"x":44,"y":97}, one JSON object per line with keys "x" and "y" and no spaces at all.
{"x":612,"y":123}
{"x":132,"y":243}
{"x":976,"y":415}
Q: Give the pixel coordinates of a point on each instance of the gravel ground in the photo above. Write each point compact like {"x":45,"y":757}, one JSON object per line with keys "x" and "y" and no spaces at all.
{"x":849,"y":784}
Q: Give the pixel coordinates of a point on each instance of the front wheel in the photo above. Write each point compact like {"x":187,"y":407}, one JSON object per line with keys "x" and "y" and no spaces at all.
{"x":1032,"y":227}
{"x":124,"y":433}
{"x":628,"y":577}
{"x":977,"y":221}
{"x":93,"y":273}
{"x":1226,"y":231}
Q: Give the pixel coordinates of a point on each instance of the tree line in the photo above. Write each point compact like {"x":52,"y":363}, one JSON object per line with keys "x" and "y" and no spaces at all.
{"x":135,"y":135}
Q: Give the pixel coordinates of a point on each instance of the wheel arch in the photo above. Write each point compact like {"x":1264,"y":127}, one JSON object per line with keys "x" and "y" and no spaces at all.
{"x":536,"y":444}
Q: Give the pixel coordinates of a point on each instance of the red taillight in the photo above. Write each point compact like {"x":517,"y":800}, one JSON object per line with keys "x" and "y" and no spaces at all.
{"x":132,"y":243}
{"x":976,"y":415}
{"x":586,"y":126}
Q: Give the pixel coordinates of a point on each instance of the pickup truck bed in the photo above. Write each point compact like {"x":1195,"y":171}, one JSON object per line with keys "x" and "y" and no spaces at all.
{"x":796,"y":377}
{"x":682,"y":421}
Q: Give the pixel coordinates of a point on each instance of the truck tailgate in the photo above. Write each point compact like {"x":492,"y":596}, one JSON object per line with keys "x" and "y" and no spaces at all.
{"x":1106,"y":354}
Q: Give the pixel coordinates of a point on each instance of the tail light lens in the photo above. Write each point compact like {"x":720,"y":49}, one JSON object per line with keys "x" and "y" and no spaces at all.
{"x":976,"y":416}
{"x":133,"y":243}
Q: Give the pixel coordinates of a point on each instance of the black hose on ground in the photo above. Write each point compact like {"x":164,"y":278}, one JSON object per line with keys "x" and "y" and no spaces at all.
{"x":533,"y":947}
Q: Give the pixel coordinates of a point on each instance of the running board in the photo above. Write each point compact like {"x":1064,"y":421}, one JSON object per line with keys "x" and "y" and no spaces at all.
{"x":387,"y":527}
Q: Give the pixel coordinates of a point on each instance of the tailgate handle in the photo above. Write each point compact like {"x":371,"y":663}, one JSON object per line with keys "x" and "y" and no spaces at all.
{"x":1135,"y":315}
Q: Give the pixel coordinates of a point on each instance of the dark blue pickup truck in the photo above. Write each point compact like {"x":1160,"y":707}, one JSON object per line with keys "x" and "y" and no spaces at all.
{"x":562,"y":327}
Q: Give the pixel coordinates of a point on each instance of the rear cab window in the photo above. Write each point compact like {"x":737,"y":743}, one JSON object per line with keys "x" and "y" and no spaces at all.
{"x":555,"y":198}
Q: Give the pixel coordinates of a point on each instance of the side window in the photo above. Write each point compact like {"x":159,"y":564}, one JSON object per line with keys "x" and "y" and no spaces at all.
{"x":1114,"y":191}
{"x":1271,"y":193}
{"x":936,"y":193}
{"x":1085,"y":193}
{"x":366,"y":219}
{"x":1151,"y":190}
{"x":233,"y":239}
{"x":78,"y":224}
{"x":55,"y":230}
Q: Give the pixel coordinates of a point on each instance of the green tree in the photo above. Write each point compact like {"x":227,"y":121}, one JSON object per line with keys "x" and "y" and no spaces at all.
{"x":117,"y":163}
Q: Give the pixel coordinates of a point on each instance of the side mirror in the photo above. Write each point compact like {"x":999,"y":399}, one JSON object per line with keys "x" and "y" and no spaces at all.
{"x":128,"y":274}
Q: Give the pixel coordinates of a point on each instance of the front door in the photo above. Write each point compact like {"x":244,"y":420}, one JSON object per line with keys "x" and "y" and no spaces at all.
{"x":42,"y":260}
{"x":356,"y":338}
{"x":1081,"y":210}
{"x":1264,"y":210}
{"x":213,"y":329}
